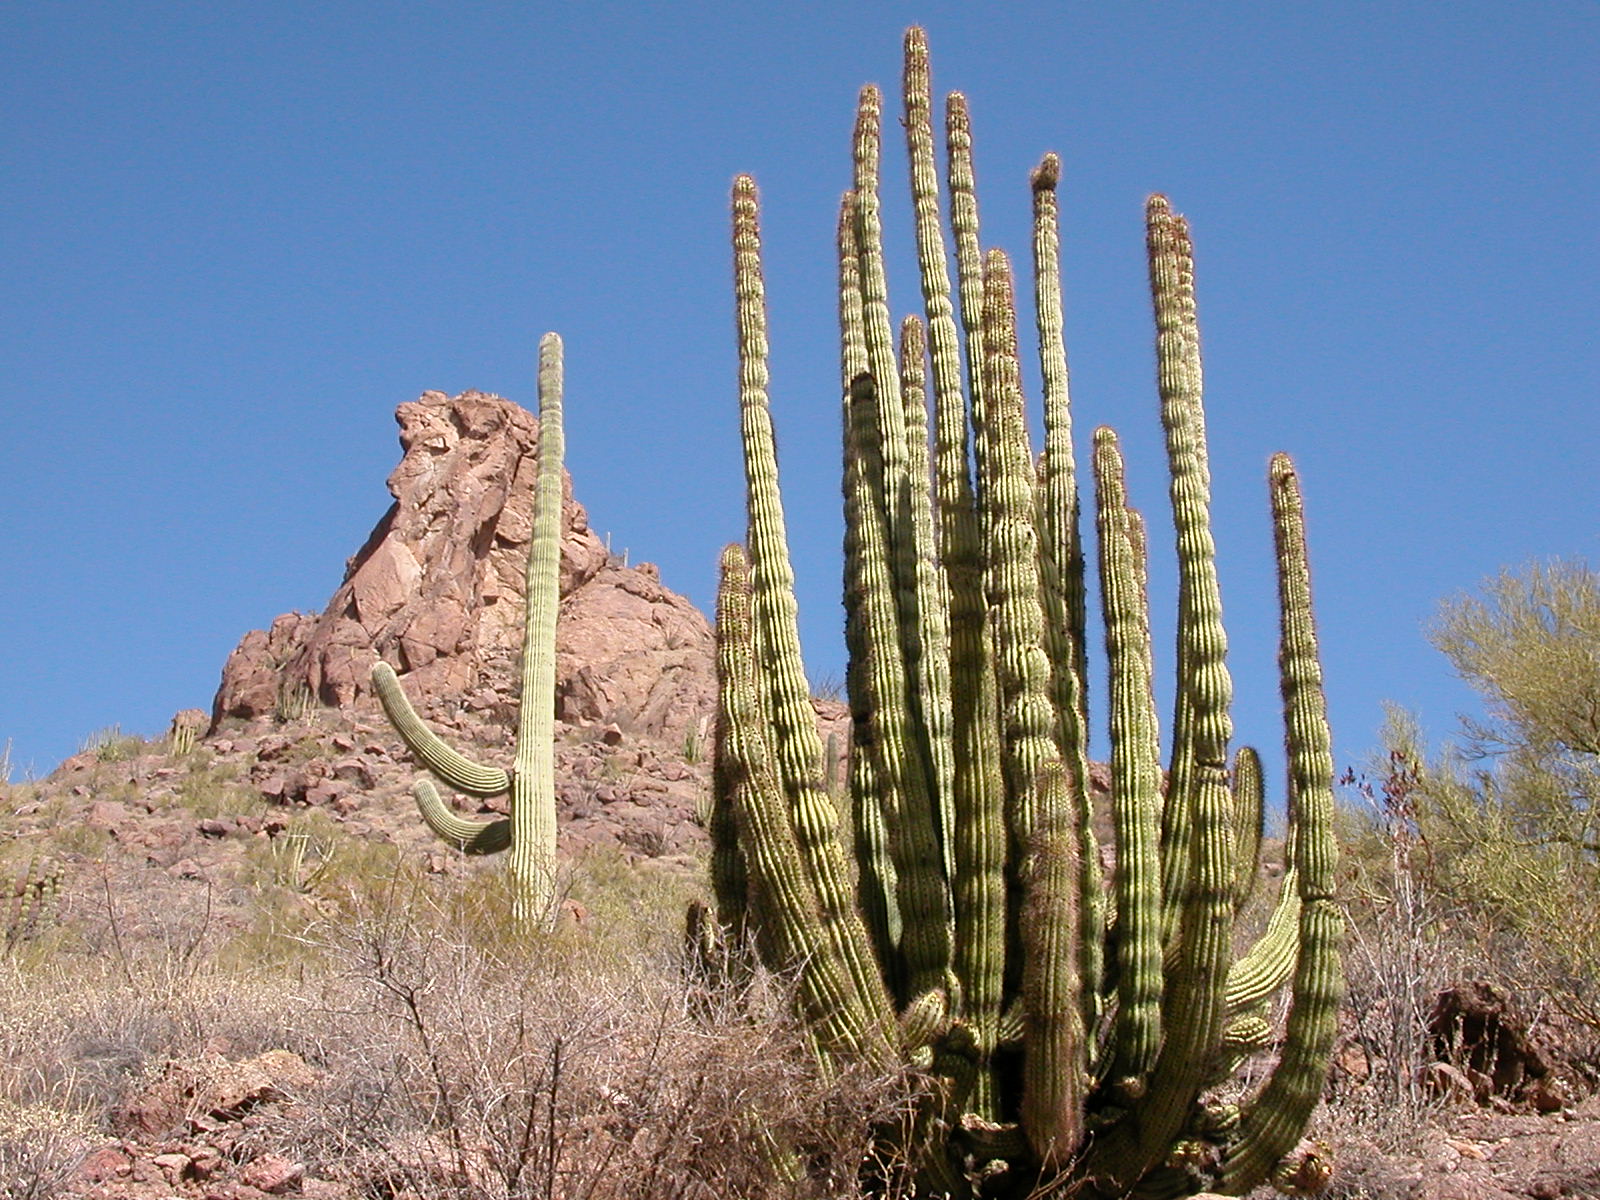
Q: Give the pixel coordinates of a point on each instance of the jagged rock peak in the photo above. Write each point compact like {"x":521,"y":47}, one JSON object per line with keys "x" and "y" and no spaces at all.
{"x":437,"y":590}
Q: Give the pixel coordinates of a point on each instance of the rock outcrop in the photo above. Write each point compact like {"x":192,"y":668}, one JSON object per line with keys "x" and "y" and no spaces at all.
{"x":438,"y":591}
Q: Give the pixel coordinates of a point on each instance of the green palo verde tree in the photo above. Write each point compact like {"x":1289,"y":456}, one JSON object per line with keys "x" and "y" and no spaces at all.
{"x":1077,"y":1036}
{"x":529,"y":833}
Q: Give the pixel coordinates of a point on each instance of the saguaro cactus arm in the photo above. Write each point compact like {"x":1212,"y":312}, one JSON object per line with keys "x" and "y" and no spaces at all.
{"x":470,"y":837}
{"x":455,"y":768}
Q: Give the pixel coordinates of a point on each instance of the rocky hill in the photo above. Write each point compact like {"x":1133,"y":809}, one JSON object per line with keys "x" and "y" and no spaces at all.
{"x":437,"y":590}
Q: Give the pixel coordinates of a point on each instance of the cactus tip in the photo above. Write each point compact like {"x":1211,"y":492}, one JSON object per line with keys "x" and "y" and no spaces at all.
{"x":997,"y":264}
{"x":1047,"y":174}
{"x":746,"y":208}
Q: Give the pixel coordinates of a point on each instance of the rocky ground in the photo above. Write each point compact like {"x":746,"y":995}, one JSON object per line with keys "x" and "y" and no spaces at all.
{"x":293,"y":784}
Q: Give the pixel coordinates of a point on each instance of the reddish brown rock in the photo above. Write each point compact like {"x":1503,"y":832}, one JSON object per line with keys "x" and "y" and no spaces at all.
{"x":272,"y":1173}
{"x":108,"y":815}
{"x":254,"y":671}
{"x":199,"y":1094}
{"x":103,"y":1163}
{"x":1497,"y":1046}
{"x":437,"y":591}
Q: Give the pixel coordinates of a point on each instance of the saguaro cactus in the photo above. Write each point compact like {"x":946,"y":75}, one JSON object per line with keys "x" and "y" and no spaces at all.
{"x":1075,"y":1032}
{"x":530,"y":831}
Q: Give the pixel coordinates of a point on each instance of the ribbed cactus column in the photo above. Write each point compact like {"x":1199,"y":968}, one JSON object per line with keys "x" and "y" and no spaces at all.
{"x":1065,"y":1049}
{"x":1274,"y":1120}
{"x":783,"y":697}
{"x":530,"y":832}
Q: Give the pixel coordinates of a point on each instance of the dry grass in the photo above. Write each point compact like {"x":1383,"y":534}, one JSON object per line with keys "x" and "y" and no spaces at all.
{"x":454,"y":1059}
{"x":534,"y":1073}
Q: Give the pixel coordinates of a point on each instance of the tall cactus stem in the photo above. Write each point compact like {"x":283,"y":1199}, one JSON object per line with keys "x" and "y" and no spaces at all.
{"x":1055,"y":1068}
{"x":730,"y":877}
{"x":976,"y":839}
{"x":796,"y":924}
{"x":1249,"y":818}
{"x":898,"y":766}
{"x":796,"y":744}
{"x":876,"y":882}
{"x":1061,"y":566}
{"x":1135,"y":779}
{"x":932,"y":695}
{"x":533,"y":779}
{"x":1273,"y":1122}
{"x":1203,"y":682}
{"x":1013,"y":568}
{"x":969,"y":252}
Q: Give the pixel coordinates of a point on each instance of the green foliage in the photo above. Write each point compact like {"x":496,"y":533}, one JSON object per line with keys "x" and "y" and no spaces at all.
{"x":110,"y":745}
{"x":1510,"y":814}
{"x":530,"y":831}
{"x":1069,"y":1041}
{"x":694,"y":737}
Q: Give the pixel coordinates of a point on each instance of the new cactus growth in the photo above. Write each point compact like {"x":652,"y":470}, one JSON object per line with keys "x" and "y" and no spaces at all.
{"x":529,"y":833}
{"x":1074,"y":1030}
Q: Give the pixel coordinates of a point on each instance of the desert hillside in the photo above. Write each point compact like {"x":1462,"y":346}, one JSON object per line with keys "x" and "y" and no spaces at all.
{"x":237,"y":964}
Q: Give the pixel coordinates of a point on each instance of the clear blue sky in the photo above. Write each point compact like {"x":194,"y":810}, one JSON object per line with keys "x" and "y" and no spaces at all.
{"x":234,"y":236}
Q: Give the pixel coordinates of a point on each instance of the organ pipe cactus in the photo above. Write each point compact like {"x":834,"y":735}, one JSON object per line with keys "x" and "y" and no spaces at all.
{"x":28,"y":902}
{"x":530,"y":831}
{"x":1077,"y":1033}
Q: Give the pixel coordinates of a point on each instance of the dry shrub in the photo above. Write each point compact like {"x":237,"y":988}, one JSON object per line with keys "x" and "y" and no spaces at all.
{"x":530,"y":1072}
{"x":75,"y":1033}
{"x":78,"y":1035}
{"x":40,"y":1146}
{"x":453,"y":1056}
{"x":1407,"y":942}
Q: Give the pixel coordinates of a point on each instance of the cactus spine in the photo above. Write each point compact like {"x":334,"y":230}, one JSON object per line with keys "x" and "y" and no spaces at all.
{"x":1073,"y":1030}
{"x":530,"y":832}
